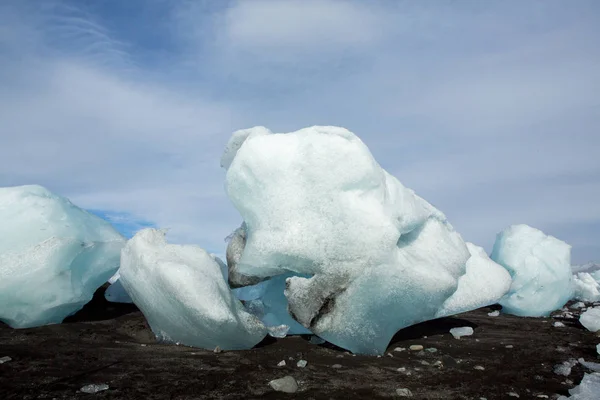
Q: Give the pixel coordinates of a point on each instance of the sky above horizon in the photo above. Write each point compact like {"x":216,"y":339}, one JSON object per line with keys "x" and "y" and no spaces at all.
{"x":488,"y":110}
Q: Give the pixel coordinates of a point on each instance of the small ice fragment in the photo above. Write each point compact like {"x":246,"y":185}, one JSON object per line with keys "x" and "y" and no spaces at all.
{"x":431,"y":350}
{"x":5,"y":359}
{"x":314,"y":339}
{"x":590,"y":365}
{"x":399,"y":349}
{"x":463,"y":331}
{"x":559,"y":325}
{"x":279,"y":331}
{"x":564,"y":368}
{"x":479,"y":368}
{"x":401,"y":369}
{"x":494,"y":313}
{"x":142,"y":345}
{"x":287,"y":384}
{"x":217,"y":349}
{"x":542,"y":396}
{"x":591,"y":319}
{"x":281,"y":363}
{"x":416,"y":347}
{"x":423,"y":362}
{"x":404,"y":392}
{"x":513,"y":394}
{"x":301,"y":363}
{"x":390,"y":355}
{"x":94,"y":388}
{"x":336,"y":366}
{"x":577,"y":305}
{"x":509,"y":346}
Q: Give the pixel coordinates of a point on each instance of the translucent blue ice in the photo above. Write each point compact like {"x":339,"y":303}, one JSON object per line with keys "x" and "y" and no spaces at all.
{"x":53,"y":256}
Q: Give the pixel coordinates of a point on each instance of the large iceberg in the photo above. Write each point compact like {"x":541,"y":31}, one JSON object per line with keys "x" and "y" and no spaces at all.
{"x":371,"y":256}
{"x":53,"y":256}
{"x":540,"y":266}
{"x":485,"y":283}
{"x":184,"y":296}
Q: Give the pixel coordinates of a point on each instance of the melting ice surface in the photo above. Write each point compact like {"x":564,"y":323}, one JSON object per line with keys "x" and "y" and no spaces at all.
{"x":371,"y":256}
{"x":540,"y":268}
{"x":184,"y":296}
{"x":53,"y":256}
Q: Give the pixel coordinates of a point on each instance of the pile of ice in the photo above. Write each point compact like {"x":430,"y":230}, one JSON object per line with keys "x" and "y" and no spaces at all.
{"x":588,"y":389}
{"x":586,"y":287}
{"x":540,"y":267}
{"x":369,"y":256}
{"x":53,"y":256}
{"x":184,"y":296}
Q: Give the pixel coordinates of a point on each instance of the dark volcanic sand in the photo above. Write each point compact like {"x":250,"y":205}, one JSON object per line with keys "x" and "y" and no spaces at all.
{"x":111,"y":343}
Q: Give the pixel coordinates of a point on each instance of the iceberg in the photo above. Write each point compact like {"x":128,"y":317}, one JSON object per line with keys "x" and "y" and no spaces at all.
{"x":53,"y":256}
{"x":266,"y":299}
{"x":484,"y":284}
{"x":184,"y":296}
{"x":369,"y":256}
{"x":540,"y":268}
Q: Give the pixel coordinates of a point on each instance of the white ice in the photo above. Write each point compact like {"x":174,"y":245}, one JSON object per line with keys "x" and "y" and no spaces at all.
{"x":540,"y":268}
{"x":591,"y":319}
{"x":53,"y":256}
{"x":588,"y":389}
{"x":484,"y":284}
{"x":316,"y":203}
{"x":184,"y":296}
{"x":457,"y":333}
{"x":585,"y":287}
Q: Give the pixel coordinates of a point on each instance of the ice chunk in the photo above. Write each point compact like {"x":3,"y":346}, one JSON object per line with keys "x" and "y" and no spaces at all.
{"x":287,"y":384}
{"x":494,"y":313}
{"x":302,"y":363}
{"x":53,"y":256}
{"x":565,"y":367}
{"x":540,"y":266}
{"x":378,"y":257}
{"x":5,"y":359}
{"x":183,"y":295}
{"x":91,"y":389}
{"x":592,"y":366}
{"x":588,"y":389}
{"x":585,"y":287}
{"x":591,"y":319}
{"x":484,"y":283}
{"x":404,"y":392}
{"x":460,"y":332}
{"x":279,"y":331}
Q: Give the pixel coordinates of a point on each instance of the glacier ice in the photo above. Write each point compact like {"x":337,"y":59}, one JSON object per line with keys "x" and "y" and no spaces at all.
{"x":585,"y":287}
{"x":265,"y":299}
{"x":53,"y":256}
{"x":183,"y":294}
{"x":588,"y":389}
{"x":376,"y":256}
{"x":484,"y":283}
{"x":540,"y":268}
{"x":116,"y":293}
{"x":591,"y":319}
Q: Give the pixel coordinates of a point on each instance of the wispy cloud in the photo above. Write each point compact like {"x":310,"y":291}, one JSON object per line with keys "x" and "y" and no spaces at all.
{"x":488,"y":110}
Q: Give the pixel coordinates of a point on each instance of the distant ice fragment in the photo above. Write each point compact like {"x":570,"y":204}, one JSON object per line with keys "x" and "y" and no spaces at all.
{"x":558,"y":324}
{"x":591,"y":319}
{"x":494,"y":313}
{"x":53,"y":256}
{"x":279,"y":331}
{"x":301,"y":363}
{"x":184,"y":296}
{"x":281,"y":363}
{"x":287,"y":384}
{"x":460,"y":332}
{"x":375,"y":256}
{"x":578,"y":305}
{"x":588,"y":389}
{"x":404,"y":392}
{"x":416,"y":347}
{"x":5,"y":359}
{"x":565,"y":367}
{"x":585,"y":287}
{"x":540,"y":266}
{"x":484,"y":284}
{"x":91,"y":389}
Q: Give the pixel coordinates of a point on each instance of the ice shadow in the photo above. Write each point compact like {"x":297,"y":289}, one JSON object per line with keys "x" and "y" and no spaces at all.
{"x":100,"y":309}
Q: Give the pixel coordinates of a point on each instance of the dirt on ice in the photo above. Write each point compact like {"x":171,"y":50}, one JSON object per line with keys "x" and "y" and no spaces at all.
{"x":107,"y":343}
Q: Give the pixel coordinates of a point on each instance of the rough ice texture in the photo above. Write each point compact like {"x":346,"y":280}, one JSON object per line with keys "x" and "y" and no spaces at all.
{"x":53,"y":256}
{"x":484,"y":284}
{"x":184,"y":296}
{"x":588,"y":389}
{"x":591,"y":319}
{"x":585,"y":287}
{"x":316,"y":203}
{"x":268,"y":301}
{"x":540,"y":268}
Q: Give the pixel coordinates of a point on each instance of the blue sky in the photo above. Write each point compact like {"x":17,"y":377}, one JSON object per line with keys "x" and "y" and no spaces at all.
{"x":489,"y":110}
